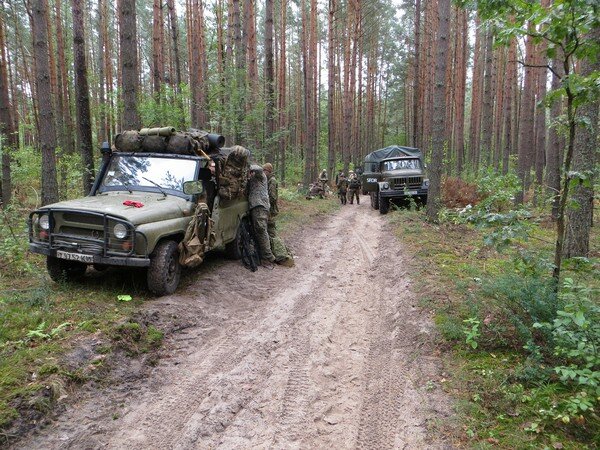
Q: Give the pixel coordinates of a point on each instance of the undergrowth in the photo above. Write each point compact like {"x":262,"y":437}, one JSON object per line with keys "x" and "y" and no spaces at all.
{"x":526,"y":354}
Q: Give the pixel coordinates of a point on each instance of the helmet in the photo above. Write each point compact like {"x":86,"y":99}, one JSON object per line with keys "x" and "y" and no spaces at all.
{"x":268,"y":167}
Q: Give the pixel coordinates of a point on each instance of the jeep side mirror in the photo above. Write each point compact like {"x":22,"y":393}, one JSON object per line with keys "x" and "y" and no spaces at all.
{"x":193,"y":187}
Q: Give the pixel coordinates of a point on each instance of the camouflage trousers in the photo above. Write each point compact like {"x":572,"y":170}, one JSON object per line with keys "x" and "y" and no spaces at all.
{"x":351,"y":194}
{"x":271,"y":227}
{"x":260,"y":218}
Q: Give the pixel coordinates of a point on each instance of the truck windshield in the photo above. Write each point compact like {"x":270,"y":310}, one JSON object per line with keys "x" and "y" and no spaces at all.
{"x":134,"y":172}
{"x":402,"y":164}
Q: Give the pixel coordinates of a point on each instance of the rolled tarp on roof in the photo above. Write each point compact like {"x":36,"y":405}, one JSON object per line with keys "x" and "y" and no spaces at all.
{"x":392,"y":151}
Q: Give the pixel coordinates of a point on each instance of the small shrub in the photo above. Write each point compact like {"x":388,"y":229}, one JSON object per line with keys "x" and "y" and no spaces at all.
{"x":457,"y":193}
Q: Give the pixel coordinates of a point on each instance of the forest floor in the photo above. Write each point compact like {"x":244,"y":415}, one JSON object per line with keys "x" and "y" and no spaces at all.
{"x":333,"y":353}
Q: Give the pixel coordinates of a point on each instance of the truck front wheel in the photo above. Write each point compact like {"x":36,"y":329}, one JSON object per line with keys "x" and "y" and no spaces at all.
{"x":164,"y":271}
{"x":384,"y":205}
{"x":374,"y":200}
{"x":233,"y":249}
{"x":64,"y":270}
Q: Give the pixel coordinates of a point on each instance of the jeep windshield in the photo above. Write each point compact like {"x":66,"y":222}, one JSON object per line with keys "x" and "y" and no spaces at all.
{"x":402,"y":164}
{"x":146,"y":173}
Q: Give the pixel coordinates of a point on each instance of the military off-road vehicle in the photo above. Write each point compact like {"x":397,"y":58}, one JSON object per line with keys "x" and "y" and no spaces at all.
{"x":394,"y":174}
{"x":137,"y":215}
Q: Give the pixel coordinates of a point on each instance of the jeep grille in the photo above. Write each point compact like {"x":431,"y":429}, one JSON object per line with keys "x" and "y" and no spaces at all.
{"x":90,"y":233}
{"x":407,"y":182}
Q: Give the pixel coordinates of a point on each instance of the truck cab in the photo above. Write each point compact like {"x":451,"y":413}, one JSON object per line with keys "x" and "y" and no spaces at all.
{"x":394,"y":174}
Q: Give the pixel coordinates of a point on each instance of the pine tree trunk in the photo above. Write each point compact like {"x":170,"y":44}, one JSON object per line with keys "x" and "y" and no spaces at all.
{"x":459,"y":123}
{"x":7,"y":129}
{"x":476,"y":94}
{"x":84,"y":120}
{"x":507,"y":112}
{"x":417,"y":75}
{"x":269,"y":82}
{"x":156,"y":48}
{"x":585,"y":159}
{"x":526,"y":125}
{"x":129,"y":64}
{"x":487,"y":112}
{"x":175,"y":38}
{"x":540,"y":114}
{"x":47,"y":129}
{"x":282,"y":79}
{"x":331,"y":89}
{"x":438,"y":138}
{"x":555,"y":143}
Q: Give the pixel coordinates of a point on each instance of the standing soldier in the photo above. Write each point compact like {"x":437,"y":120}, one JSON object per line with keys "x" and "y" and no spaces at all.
{"x":323,"y":179}
{"x":258,"y":203}
{"x":342,"y":186}
{"x":273,"y":197}
{"x":354,"y":188}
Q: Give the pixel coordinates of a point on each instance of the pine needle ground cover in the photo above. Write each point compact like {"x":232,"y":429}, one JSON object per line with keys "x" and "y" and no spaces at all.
{"x":523,"y":359}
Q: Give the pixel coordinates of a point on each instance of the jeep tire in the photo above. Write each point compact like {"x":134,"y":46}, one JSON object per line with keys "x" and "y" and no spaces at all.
{"x":384,"y":205}
{"x":233,"y":249}
{"x":164,"y":270}
{"x":64,"y":270}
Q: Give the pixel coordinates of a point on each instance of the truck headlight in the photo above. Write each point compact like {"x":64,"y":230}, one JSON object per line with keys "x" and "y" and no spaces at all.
{"x":120,"y":231}
{"x":44,"y":222}
{"x":386,"y":185}
{"x":425,"y":183}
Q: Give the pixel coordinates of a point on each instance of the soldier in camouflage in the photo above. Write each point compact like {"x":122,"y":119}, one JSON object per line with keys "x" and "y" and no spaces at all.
{"x":273,"y":189}
{"x":258,"y":203}
{"x":354,"y":188}
{"x":342,"y":186}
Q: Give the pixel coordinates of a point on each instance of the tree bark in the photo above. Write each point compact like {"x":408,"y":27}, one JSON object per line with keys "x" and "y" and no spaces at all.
{"x":438,"y":138}
{"x":269,"y":82}
{"x":84,"y":120}
{"x":585,"y":159}
{"x":7,"y":129}
{"x":129,"y":64}
{"x":47,"y":136}
{"x":526,"y":131}
{"x":488,"y":97}
{"x":555,"y":143}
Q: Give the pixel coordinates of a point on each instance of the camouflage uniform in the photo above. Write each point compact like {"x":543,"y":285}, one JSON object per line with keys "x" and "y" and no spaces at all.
{"x":354,"y":188}
{"x":258,"y":202}
{"x":273,"y":189}
{"x":342,"y":186}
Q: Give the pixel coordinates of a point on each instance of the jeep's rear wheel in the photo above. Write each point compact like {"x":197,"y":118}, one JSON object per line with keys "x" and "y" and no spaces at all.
{"x":233,"y":249}
{"x":384,"y":205}
{"x":164,"y":271}
{"x":64,"y":270}
{"x":374,"y":200}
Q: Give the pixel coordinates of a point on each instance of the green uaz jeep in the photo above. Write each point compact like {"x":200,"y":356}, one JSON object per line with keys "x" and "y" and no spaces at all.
{"x":135,"y":216}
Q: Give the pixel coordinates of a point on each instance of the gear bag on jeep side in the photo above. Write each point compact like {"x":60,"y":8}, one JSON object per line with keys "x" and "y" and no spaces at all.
{"x":197,"y":236}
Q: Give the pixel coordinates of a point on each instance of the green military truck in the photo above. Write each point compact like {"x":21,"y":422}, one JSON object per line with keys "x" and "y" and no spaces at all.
{"x":392,"y":174}
{"x":137,"y":215}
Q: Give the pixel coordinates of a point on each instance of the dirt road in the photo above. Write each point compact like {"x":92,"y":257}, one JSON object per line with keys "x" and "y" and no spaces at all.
{"x":333,"y":353}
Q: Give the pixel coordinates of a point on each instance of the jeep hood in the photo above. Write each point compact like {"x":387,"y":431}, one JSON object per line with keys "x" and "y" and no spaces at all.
{"x":156,"y":207}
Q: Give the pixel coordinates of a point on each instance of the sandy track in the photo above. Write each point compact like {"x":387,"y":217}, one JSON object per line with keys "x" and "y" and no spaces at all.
{"x":330,"y":354}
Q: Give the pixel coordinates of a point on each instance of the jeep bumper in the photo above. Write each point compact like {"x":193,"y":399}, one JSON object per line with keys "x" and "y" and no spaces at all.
{"x":128,"y":261}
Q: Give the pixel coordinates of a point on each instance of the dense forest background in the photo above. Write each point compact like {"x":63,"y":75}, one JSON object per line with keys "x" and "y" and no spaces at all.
{"x":489,"y":85}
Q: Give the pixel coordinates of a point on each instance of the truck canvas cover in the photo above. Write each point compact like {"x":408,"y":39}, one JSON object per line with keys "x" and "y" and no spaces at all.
{"x":393,"y":151}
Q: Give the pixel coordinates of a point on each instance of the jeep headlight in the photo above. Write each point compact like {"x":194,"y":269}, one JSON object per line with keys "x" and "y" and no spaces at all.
{"x":120,"y":231}
{"x":44,"y":222}
{"x":386,"y":185}
{"x":425,"y":183}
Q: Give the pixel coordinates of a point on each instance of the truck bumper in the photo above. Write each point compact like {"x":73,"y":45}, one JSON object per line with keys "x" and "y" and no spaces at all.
{"x":391,"y":193}
{"x":126,"y":261}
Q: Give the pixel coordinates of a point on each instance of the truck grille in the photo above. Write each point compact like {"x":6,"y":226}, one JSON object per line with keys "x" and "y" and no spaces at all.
{"x":407,"y":182}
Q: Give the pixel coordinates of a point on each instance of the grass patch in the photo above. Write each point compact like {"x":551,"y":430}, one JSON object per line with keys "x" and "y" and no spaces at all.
{"x":507,"y":396}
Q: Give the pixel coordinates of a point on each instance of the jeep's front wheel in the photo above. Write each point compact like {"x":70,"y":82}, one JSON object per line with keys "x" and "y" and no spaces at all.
{"x":64,"y":270}
{"x":384,"y":205}
{"x":164,"y":271}
{"x":374,"y":200}
{"x":233,"y":249}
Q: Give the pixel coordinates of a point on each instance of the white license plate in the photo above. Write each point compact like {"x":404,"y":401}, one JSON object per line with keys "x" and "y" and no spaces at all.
{"x":411,"y":192}
{"x":75,"y":256}
{"x":371,"y":180}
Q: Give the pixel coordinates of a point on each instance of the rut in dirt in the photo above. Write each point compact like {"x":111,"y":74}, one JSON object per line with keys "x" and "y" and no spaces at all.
{"x":332,"y":353}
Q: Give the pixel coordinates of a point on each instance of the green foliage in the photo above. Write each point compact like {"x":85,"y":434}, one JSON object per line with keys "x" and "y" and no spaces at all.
{"x":471,"y":331}
{"x":167,"y":108}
